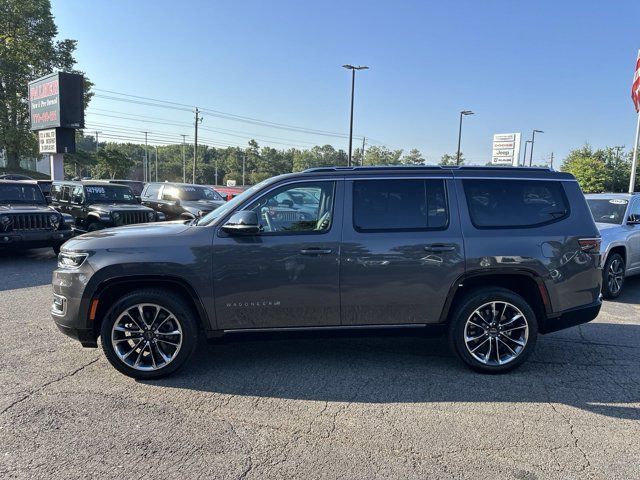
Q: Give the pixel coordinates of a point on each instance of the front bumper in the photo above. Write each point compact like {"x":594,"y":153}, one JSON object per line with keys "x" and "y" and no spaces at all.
{"x":34,"y":239}
{"x":571,"y":318}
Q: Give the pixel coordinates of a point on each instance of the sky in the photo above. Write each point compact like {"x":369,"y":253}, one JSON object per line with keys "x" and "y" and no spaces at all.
{"x":563,"y":66}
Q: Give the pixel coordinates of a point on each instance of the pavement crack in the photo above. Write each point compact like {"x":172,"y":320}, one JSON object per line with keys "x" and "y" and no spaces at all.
{"x":46,"y":384}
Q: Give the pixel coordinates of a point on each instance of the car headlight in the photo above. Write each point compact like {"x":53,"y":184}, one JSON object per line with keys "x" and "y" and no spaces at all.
{"x":151,"y":215}
{"x":71,"y":260}
{"x":55,"y":221}
{"x":116,"y":216}
{"x":5,"y":221}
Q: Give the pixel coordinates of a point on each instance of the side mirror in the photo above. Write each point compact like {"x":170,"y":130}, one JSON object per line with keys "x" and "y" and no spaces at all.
{"x":634,"y":219}
{"x":77,"y":199}
{"x":175,"y":200}
{"x":244,"y":222}
{"x":139,"y":200}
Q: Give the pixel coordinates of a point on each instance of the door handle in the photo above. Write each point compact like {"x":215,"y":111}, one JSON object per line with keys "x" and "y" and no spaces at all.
{"x":315,"y":251}
{"x":440,"y":247}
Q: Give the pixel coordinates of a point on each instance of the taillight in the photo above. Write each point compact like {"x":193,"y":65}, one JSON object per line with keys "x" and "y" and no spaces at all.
{"x":589,"y":245}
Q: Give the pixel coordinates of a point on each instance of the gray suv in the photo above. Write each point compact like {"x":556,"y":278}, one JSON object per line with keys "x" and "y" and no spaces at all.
{"x":493,"y":256}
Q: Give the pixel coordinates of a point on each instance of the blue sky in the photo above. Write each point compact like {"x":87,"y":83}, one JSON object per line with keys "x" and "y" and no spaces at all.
{"x":564,"y":67}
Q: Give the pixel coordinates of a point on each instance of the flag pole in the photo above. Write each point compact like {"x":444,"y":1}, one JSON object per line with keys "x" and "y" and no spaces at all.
{"x":634,"y":162}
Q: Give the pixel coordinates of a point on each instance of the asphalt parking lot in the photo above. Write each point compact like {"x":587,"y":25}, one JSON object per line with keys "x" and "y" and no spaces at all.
{"x":348,"y":407}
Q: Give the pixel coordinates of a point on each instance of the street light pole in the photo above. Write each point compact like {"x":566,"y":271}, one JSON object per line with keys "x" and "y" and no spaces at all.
{"x":353,"y":86}
{"x":145,"y":166}
{"x":533,"y":139}
{"x":462,"y":114}
{"x":524,"y":157}
{"x":156,"y":163}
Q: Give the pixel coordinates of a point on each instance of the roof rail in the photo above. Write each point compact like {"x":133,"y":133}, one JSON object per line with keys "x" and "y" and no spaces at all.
{"x":421,"y":167}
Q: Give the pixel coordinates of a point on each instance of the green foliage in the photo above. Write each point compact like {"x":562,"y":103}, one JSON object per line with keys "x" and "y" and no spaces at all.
{"x":448,"y":160}
{"x":382,"y":156}
{"x":28,"y":50}
{"x":414,"y":157}
{"x":112,"y":163}
{"x":598,"y":171}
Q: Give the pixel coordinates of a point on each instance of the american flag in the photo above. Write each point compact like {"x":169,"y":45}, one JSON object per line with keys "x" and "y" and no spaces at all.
{"x":635,"y":88}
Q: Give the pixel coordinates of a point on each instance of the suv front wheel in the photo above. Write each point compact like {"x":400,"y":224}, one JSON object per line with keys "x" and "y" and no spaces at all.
{"x":148,"y":334}
{"x":493,"y":330}
{"x":613,"y":276}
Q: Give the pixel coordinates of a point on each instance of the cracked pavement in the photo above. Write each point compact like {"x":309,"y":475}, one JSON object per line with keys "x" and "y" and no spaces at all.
{"x":342,"y":407}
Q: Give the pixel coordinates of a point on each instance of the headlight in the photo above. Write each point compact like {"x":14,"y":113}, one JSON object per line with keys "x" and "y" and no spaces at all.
{"x":151,"y":215}
{"x":71,"y":259}
{"x":55,"y":221}
{"x":5,"y":221}
{"x":116,"y":216}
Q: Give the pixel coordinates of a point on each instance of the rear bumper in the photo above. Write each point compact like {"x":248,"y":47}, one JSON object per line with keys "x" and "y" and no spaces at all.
{"x":571,"y":318}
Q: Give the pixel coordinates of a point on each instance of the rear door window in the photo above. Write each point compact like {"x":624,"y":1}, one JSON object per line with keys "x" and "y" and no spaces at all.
{"x":515,"y":203}
{"x":399,"y":204}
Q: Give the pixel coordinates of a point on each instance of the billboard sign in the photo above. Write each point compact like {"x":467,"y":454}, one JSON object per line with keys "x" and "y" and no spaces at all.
{"x":56,"y":100}
{"x":57,"y":140}
{"x":506,"y":149}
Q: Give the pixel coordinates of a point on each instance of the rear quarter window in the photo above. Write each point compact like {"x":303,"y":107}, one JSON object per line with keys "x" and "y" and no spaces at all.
{"x":515,"y":203}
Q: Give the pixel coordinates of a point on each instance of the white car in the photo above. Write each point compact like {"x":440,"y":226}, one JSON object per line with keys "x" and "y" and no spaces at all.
{"x":617,"y":216}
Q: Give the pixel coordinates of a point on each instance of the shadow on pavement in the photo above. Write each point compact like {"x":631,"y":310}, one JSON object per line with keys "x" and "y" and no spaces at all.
{"x":591,"y":367}
{"x":26,"y":268}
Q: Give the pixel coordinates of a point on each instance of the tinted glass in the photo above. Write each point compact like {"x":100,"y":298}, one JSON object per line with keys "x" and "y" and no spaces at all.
{"x":399,"y":205}
{"x":191,"y":193}
{"x":13,"y":193}
{"x":151,"y":191}
{"x":514,"y":203}
{"x":608,"y":210}
{"x":278,"y":212}
{"x":109,"y":194}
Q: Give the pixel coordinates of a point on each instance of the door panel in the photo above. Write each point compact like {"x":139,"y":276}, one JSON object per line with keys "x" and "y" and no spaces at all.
{"x":634,"y":239}
{"x":283,"y":277}
{"x":390,"y":274}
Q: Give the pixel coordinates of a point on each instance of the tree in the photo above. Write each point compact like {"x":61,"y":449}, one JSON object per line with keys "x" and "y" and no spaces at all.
{"x":618,"y":166}
{"x":382,"y":156}
{"x":588,"y":167}
{"x":28,"y":50}
{"x":414,"y":157}
{"x":113,"y":163}
{"x":448,"y":160}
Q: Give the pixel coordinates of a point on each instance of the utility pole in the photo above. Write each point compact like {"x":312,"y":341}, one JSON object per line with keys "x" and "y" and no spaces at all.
{"x":551,"y":160}
{"x":145,"y":165}
{"x":198,"y":119}
{"x":364,"y":139}
{"x":97,"y":143}
{"x":184,"y":160}
{"x":244,"y":161}
{"x":524,"y":157}
{"x":215,"y":175}
{"x":156,"y":163}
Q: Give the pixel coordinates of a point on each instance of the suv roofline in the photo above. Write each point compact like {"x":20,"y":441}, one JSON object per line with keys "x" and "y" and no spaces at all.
{"x":422,"y":167}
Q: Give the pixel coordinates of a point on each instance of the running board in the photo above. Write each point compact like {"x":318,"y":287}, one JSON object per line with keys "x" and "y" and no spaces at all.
{"x":329,"y":327}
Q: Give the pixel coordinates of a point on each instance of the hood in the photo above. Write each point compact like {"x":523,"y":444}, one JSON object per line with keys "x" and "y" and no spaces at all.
{"x":206,"y":205}
{"x":119,"y":207}
{"x":605,"y":227}
{"x":23,"y":208}
{"x":112,"y":237}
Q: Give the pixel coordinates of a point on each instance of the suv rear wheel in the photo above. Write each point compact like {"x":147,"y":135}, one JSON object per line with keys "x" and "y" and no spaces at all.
{"x":493,"y":330}
{"x":613,"y":276}
{"x":148,"y":334}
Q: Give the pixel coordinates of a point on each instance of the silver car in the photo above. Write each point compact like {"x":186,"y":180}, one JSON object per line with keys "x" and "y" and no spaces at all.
{"x":617,"y":216}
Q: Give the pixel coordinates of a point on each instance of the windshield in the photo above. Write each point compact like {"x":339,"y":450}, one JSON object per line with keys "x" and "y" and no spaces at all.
{"x":608,"y":210}
{"x":192,"y":193}
{"x":109,"y":194}
{"x":13,"y":193}
{"x":231,"y":204}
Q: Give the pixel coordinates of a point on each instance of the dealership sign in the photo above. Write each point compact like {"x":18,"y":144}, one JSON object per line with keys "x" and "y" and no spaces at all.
{"x":57,"y":140}
{"x":56,"y":101}
{"x":506,"y":149}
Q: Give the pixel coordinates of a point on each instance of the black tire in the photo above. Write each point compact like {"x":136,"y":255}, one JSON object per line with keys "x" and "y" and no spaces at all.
{"x":56,"y":248}
{"x":95,"y":226}
{"x":612,"y":284}
{"x":464,"y":311}
{"x":184,"y":318}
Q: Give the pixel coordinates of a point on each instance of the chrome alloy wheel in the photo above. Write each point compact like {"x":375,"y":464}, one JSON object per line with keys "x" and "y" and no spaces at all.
{"x":615,"y":276}
{"x":146,"y":337}
{"x":496,"y":333}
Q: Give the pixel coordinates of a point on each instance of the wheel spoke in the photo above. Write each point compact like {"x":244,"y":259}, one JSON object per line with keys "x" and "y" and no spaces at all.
{"x":137,"y":362}
{"x":134,"y":321}
{"x":133,"y":349}
{"x":479,"y":345}
{"x":166,"y":341}
{"x":518,"y":316}
{"x":155,"y":317}
{"x":517,"y":342}
{"x":173,"y":332}
{"x":141,"y":312}
{"x":127,"y":339}
{"x":476,"y":325}
{"x":487,"y":357}
{"x":506,"y":345}
{"x":170,"y":317}
{"x":121,"y":328}
{"x":514,"y":328}
{"x":498,"y":352}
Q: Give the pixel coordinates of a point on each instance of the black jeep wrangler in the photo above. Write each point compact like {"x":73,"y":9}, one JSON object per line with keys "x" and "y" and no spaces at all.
{"x":26,"y":221}
{"x":95,"y":205}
